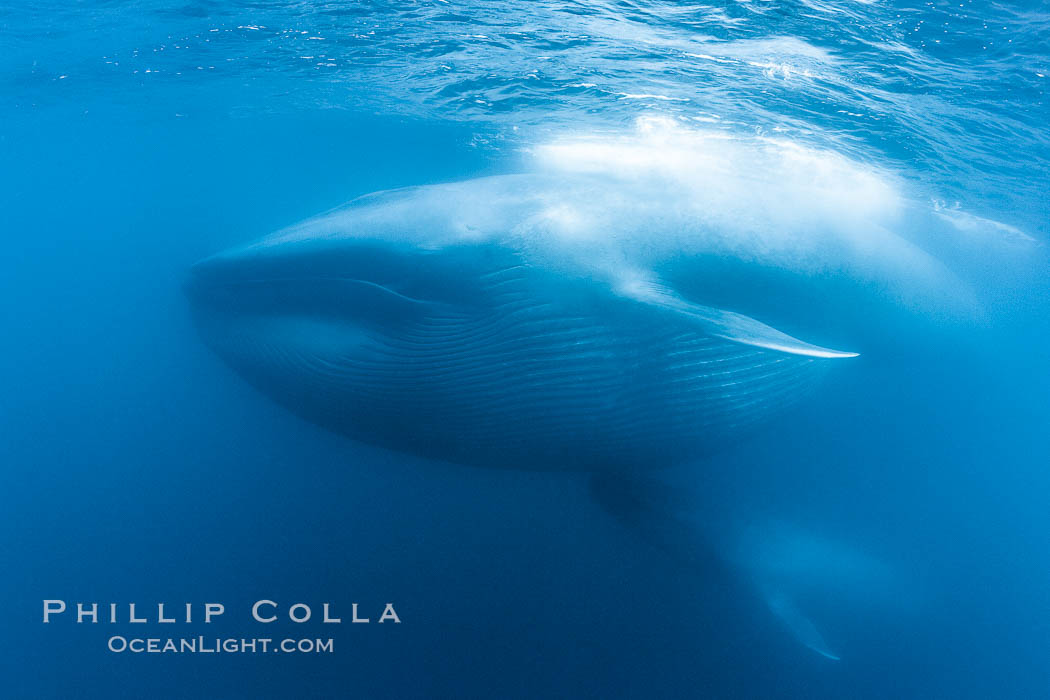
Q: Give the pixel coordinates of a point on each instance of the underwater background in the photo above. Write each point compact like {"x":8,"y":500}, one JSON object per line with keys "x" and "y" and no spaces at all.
{"x":139,"y":137}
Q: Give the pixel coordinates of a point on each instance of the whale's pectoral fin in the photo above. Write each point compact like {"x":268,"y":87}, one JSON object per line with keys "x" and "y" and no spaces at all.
{"x":800,"y":626}
{"x":725,"y":324}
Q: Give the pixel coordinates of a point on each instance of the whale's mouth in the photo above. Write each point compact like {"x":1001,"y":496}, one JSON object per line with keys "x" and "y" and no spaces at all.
{"x":359,"y":281}
{"x":311,"y":323}
{"x":287,"y":317}
{"x":293,"y":293}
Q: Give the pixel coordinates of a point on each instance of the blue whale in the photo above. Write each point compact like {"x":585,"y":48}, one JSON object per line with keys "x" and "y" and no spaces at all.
{"x":613,"y":313}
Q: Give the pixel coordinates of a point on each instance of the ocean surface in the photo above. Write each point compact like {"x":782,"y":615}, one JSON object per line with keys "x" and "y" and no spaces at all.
{"x":139,"y":137}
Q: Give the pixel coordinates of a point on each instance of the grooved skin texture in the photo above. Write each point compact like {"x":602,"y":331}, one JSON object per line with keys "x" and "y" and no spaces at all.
{"x":518,"y":383}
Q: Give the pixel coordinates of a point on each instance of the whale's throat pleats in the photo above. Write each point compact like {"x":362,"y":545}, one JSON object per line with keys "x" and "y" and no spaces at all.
{"x":520,"y":379}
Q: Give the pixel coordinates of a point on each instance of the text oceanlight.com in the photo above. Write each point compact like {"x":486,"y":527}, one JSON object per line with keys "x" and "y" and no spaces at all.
{"x":203,"y":645}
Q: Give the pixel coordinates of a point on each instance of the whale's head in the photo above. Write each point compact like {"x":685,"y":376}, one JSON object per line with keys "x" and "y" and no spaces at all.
{"x":321,"y":324}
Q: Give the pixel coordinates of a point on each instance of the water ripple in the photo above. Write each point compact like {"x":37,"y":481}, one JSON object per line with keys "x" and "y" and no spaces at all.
{"x":937,"y":89}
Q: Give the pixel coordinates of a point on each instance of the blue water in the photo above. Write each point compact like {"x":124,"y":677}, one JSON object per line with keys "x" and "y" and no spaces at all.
{"x":137,"y":138}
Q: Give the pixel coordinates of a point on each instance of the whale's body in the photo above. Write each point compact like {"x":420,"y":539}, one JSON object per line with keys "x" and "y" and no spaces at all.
{"x":488,"y":323}
{"x":579,"y":320}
